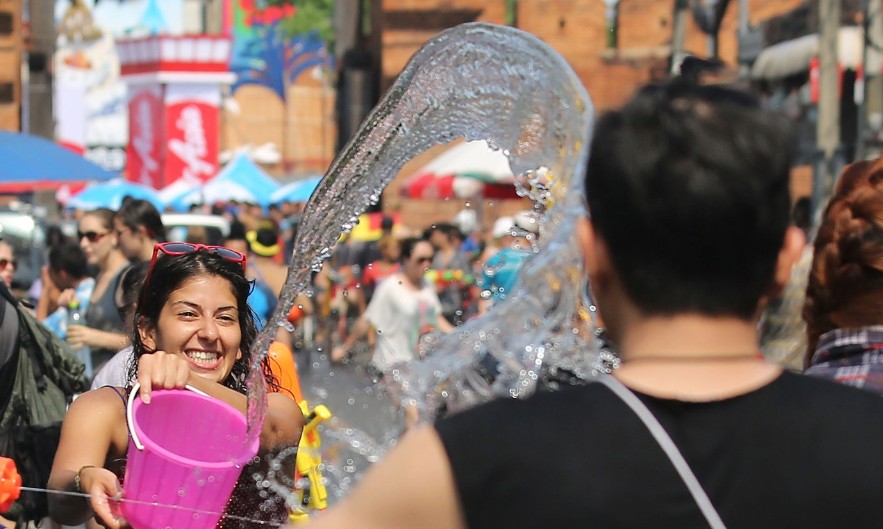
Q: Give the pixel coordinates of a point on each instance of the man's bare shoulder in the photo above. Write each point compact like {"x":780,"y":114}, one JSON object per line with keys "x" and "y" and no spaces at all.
{"x":411,"y":487}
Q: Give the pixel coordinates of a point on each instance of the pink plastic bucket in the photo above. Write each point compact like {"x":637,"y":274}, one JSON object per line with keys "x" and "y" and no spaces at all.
{"x":186,"y":451}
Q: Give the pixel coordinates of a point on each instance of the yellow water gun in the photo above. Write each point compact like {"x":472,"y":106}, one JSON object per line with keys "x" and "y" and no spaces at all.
{"x":314,"y":496}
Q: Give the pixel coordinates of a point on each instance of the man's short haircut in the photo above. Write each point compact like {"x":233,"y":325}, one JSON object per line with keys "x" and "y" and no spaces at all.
{"x":136,"y":212}
{"x":69,"y":257}
{"x":408,"y":245}
{"x":688,"y":187}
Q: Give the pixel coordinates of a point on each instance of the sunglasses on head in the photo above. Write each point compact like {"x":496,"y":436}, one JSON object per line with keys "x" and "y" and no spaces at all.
{"x":6,"y":262}
{"x":173,"y":249}
{"x":91,"y":236}
{"x":183,"y":248}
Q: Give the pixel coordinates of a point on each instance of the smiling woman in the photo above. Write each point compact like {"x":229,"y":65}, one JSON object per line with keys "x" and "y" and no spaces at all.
{"x":193,"y":327}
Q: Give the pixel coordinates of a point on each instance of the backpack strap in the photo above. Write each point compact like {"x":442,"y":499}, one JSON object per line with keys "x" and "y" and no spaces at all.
{"x":8,"y":370}
{"x":8,"y":374}
{"x":668,"y":446}
{"x":26,"y":342}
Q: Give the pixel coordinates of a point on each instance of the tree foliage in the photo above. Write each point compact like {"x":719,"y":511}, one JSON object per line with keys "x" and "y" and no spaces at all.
{"x":310,"y":16}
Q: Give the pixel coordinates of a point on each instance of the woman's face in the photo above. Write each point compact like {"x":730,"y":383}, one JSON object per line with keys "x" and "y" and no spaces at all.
{"x":96,"y":240}
{"x":200,"y":323}
{"x":391,"y":252}
{"x":7,"y":263}
{"x":421,"y":260}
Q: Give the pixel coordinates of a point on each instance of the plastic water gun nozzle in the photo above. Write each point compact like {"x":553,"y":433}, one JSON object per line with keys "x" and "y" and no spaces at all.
{"x":10,"y":484}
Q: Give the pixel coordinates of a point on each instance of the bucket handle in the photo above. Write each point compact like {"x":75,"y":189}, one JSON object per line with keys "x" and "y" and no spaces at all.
{"x":129,"y":420}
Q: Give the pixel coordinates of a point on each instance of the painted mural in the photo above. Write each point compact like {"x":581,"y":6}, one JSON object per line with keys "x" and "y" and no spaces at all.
{"x":266,"y":52}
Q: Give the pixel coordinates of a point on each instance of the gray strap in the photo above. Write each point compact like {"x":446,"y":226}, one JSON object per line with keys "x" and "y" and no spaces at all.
{"x":668,"y":446}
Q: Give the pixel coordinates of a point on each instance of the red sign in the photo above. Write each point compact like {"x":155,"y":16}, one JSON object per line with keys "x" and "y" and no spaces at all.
{"x":192,"y":146}
{"x":814,"y":74}
{"x":144,"y":152}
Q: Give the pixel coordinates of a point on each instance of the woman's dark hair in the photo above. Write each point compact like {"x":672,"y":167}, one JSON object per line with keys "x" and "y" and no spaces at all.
{"x":169,"y":274}
{"x":55,"y":236}
{"x":136,"y":212}
{"x":407,"y":247}
{"x":845,"y":286}
{"x":126,"y":297}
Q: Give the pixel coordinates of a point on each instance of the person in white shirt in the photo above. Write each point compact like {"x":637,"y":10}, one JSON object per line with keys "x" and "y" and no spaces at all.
{"x":404,"y":308}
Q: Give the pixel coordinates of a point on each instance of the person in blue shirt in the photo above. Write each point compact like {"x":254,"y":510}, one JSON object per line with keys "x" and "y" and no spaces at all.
{"x":516,"y":237}
{"x":68,"y":269}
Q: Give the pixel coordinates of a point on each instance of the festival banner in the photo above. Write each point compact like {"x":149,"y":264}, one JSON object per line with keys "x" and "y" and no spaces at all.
{"x":146,"y":136}
{"x":192,"y":134}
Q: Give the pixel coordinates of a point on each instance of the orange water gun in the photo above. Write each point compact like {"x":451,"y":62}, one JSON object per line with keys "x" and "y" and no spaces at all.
{"x":10,"y":484}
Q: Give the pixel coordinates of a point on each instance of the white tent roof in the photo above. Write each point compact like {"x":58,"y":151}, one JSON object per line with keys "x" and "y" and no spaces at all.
{"x":473,"y":157}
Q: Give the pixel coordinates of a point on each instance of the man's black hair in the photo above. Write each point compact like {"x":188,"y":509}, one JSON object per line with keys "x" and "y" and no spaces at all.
{"x":69,"y":257}
{"x":688,"y":186}
{"x":447,"y":228}
{"x":237,"y":230}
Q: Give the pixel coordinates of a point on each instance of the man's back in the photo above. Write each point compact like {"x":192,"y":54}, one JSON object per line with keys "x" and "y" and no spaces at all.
{"x":797,"y":452}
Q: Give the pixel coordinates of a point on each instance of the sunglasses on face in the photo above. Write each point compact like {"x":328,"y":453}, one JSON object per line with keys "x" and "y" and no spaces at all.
{"x":426,"y":259}
{"x":91,"y":236}
{"x":6,"y":262}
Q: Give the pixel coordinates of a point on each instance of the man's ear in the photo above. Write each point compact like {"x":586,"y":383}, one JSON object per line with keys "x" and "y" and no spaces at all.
{"x":594,"y":252}
{"x":793,"y":245}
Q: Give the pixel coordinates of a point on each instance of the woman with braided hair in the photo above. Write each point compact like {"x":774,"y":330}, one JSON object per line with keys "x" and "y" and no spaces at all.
{"x":844,"y":297}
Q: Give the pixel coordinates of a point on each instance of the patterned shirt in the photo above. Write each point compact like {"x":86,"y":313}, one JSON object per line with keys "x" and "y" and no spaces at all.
{"x":851,"y":356}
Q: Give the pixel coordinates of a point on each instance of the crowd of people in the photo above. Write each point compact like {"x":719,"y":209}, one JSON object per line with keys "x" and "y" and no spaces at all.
{"x":688,"y":241}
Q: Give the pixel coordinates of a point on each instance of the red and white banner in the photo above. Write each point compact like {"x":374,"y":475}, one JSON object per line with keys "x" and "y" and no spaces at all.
{"x":146,"y":136}
{"x":192,"y":141}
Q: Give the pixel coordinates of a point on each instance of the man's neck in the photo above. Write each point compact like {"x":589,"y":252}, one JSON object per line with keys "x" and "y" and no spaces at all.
{"x":693,"y":358}
{"x":688,"y":335}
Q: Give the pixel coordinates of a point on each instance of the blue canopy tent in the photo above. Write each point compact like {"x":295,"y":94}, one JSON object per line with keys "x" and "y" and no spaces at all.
{"x":297,"y":191}
{"x":241,"y":180}
{"x":32,"y":163}
{"x":243,"y":171}
{"x":111,"y":194}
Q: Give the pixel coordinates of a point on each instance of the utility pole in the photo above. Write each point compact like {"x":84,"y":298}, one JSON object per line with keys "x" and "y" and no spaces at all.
{"x":872,"y":35}
{"x":711,"y":39}
{"x":40,"y":118}
{"x":611,"y":16}
{"x":828,"y":124}
{"x":678,"y":32}
{"x":744,"y":70}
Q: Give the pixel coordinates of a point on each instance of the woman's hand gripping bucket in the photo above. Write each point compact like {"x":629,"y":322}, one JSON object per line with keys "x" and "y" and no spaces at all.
{"x":186,"y":452}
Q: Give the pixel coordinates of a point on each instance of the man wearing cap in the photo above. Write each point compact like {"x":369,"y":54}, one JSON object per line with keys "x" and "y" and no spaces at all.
{"x":500,"y":271}
{"x":269,"y":275}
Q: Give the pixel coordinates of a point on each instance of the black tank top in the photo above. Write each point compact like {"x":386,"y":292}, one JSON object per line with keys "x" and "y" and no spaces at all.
{"x":799,"y":452}
{"x":103,"y":313}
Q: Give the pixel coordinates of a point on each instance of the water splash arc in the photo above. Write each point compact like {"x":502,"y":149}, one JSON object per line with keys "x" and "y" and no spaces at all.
{"x":474,"y":81}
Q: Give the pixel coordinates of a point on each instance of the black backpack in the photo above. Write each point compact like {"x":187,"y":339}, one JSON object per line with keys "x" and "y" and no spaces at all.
{"x":36,"y":386}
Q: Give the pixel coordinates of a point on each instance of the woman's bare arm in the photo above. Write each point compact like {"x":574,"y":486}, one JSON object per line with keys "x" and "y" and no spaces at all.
{"x":87,"y":438}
